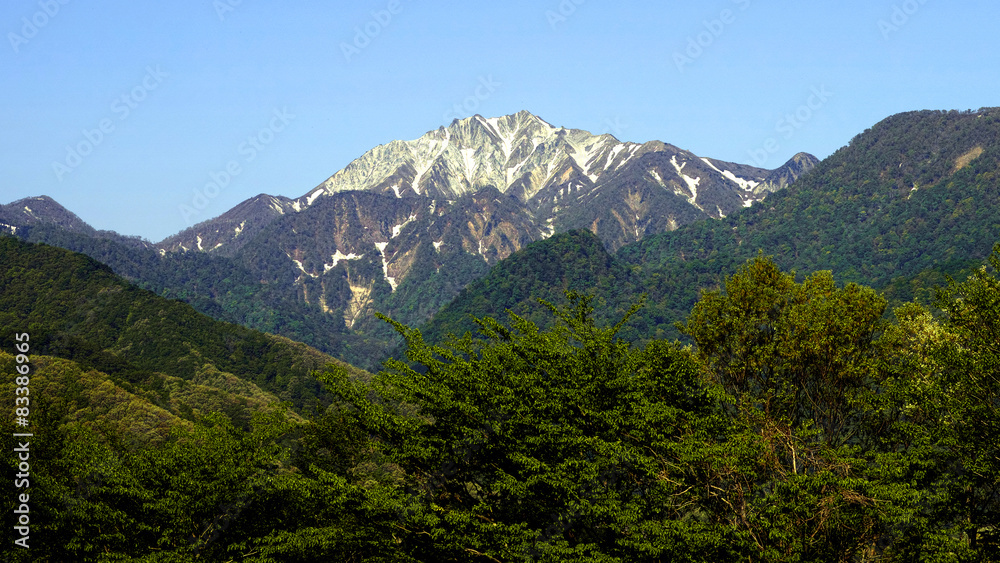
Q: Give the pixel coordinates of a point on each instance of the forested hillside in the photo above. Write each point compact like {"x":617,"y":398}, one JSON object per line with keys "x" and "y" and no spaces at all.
{"x":76,"y":308}
{"x":915,"y":196}
{"x":808,"y":416}
{"x":218,"y":286}
{"x":803,"y":425}
{"x":574,"y":261}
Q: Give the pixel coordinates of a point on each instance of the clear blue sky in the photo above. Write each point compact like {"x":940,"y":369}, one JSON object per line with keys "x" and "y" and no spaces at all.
{"x":200,"y":77}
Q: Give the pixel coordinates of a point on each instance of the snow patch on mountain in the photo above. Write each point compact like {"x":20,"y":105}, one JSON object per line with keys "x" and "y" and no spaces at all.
{"x":746,"y":185}
{"x":298,"y":263}
{"x":469,"y":161}
{"x":550,"y":228}
{"x":427,"y":163}
{"x":583,"y":153}
{"x":385,"y":265}
{"x":692,"y":183}
{"x":314,"y":196}
{"x":396,"y":229}
{"x":743,"y":183}
{"x":338,"y":257}
{"x":614,"y":154}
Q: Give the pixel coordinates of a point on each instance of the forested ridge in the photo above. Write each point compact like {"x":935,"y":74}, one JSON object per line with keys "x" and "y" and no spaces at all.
{"x":75,"y":308}
{"x":916,"y":197}
{"x":803,"y":424}
{"x":906,"y":204}
{"x":218,"y":286}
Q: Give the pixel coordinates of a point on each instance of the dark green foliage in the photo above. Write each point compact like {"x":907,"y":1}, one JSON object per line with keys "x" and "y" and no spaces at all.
{"x":802,"y":427}
{"x":799,"y":353}
{"x":559,"y":445}
{"x":78,"y":309}
{"x":968,"y":392}
{"x":219,"y":286}
{"x":574,"y":261}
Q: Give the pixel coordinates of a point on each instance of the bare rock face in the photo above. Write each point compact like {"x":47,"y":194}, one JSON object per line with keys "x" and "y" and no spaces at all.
{"x":472,"y":192}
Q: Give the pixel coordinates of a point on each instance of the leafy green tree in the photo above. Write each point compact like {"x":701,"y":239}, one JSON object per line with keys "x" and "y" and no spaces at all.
{"x":941,"y":410}
{"x":800,"y":353}
{"x":912,"y":455}
{"x":960,"y":401}
{"x":192,"y":497}
{"x":558,"y":445}
{"x":798,"y":360}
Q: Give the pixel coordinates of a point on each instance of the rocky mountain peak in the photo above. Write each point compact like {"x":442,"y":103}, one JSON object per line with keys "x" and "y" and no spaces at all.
{"x":465,"y":196}
{"x":40,"y":210}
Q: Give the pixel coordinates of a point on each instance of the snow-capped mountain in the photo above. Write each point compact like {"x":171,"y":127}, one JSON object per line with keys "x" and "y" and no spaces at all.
{"x":559,"y":174}
{"x":525,"y":157}
{"x":471,"y":193}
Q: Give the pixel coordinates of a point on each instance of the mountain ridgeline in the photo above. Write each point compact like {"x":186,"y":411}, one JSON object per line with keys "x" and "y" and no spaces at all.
{"x":77,"y":309}
{"x":912,"y":200}
{"x":906,"y":203}
{"x":402,"y":229}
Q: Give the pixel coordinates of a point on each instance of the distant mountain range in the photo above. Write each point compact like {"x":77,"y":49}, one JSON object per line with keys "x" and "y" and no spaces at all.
{"x":559,"y":179}
{"x":406,"y":226}
{"x":906,"y":204}
{"x":410,"y":226}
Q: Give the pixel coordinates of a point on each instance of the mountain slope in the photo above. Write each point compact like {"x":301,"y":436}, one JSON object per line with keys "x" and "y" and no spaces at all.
{"x":40,"y":210}
{"x":218,"y":286}
{"x":912,"y":194}
{"x":402,"y":228}
{"x":912,"y":199}
{"x":406,"y":226}
{"x":76,"y":308}
{"x":574,"y":261}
